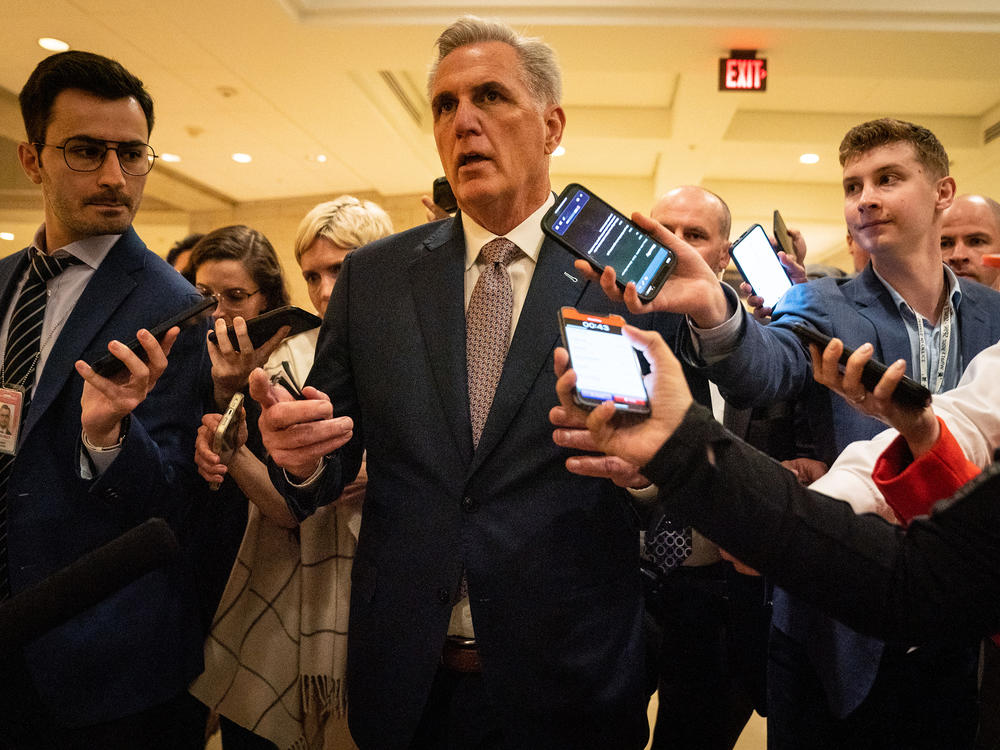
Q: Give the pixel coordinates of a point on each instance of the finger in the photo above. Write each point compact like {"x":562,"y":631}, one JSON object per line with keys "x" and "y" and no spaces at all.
{"x":830,"y":365}
{"x":605,"y":467}
{"x":314,"y":393}
{"x":560,"y":361}
{"x":574,"y":439}
{"x":265,"y":351}
{"x":223,"y":343}
{"x":609,"y":284}
{"x":651,"y":344}
{"x":573,"y":418}
{"x":264,"y":392}
{"x":853,"y":369}
{"x":156,"y":359}
{"x":242,"y":335}
{"x":586,"y":270}
{"x":890,"y":379}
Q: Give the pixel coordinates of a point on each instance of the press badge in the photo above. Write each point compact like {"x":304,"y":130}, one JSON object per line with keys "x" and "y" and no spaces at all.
{"x":11,"y":403}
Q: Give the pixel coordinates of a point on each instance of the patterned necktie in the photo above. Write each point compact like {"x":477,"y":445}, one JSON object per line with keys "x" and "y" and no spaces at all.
{"x":487,"y":329}
{"x":24,"y":336}
{"x":668,"y":545}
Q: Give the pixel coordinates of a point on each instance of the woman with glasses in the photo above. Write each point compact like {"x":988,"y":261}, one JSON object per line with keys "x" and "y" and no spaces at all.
{"x":238,"y":266}
{"x":283,"y":618}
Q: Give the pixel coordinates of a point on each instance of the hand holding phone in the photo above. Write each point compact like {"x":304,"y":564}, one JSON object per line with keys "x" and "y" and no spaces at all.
{"x":908,"y":393}
{"x":606,"y":365}
{"x":108,"y":365}
{"x":263,"y":327}
{"x":225,"y":440}
{"x":759,"y":265}
{"x":443,"y":196}
{"x":591,"y":229}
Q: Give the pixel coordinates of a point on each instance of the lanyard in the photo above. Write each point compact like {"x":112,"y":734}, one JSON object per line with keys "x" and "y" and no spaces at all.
{"x":946,"y":319}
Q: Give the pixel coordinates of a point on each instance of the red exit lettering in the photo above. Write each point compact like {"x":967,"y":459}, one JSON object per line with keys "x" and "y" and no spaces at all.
{"x":743,"y":74}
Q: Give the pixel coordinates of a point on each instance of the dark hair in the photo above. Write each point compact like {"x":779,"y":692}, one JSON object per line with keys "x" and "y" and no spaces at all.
{"x":95,"y":74}
{"x":252,"y":249}
{"x":883,"y":132}
{"x":181,"y":245}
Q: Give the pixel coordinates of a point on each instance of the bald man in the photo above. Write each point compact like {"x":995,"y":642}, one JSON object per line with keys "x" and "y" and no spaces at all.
{"x":971,"y":229}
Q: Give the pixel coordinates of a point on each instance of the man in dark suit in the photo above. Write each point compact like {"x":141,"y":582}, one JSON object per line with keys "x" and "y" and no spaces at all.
{"x":547,"y":650}
{"x":95,"y":456}
{"x":829,"y":686}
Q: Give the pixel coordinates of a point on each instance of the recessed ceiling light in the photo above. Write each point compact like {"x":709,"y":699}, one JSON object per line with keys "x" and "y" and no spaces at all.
{"x":52,"y":45}
{"x":321,"y":158}
{"x":809,"y":158}
{"x":560,"y":150}
{"x":6,"y":235}
{"x":170,"y":157}
{"x":242,"y":158}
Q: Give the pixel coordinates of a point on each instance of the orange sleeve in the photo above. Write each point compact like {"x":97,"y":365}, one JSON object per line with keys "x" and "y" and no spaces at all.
{"x":912,"y":487}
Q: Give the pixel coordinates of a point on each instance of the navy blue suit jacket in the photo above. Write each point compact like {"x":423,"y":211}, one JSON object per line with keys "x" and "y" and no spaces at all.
{"x":551,"y":558}
{"x":142,"y":645}
{"x":771,"y":363}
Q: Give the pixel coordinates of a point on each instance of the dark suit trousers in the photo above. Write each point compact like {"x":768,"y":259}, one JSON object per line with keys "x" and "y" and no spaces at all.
{"x":712,"y":658}
{"x":922,"y":699}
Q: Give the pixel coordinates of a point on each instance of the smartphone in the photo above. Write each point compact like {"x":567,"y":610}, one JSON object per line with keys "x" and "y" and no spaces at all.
{"x":587,"y":226}
{"x":264,"y":326}
{"x":607,"y":366}
{"x":908,"y":393}
{"x":758,"y":264}
{"x":224,"y":439}
{"x":782,"y":237}
{"x":443,"y":196}
{"x":109,"y":365}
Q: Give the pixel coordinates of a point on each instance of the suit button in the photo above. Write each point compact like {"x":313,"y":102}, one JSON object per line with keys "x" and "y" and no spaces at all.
{"x":444,"y":596}
{"x":469,"y":505}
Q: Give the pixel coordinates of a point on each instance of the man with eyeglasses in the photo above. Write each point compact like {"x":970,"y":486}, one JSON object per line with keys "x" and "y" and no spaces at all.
{"x":94,"y":457}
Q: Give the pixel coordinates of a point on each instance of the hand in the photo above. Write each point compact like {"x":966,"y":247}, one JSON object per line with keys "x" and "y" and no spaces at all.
{"x":634,"y":440}
{"x":918,"y":425}
{"x":738,"y":565}
{"x":297,"y":434}
{"x":107,"y":401}
{"x":434,"y":211}
{"x":692,"y":288}
{"x":806,"y":470}
{"x":210,"y":464}
{"x":231,"y":368}
{"x":573,"y":434}
{"x":799,"y":246}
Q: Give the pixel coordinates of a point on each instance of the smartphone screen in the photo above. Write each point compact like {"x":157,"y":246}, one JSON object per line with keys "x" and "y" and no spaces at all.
{"x":607,"y":367}
{"x":599,"y":234}
{"x":759,"y":265}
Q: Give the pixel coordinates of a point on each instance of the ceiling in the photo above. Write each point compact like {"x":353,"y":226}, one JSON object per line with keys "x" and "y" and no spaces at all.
{"x":288,"y":80}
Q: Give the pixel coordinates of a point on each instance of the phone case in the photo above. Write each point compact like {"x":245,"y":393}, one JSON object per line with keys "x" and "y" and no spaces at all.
{"x":908,"y":393}
{"x":109,"y":365}
{"x":264,"y":326}
{"x":224,"y":439}
{"x":782,"y":237}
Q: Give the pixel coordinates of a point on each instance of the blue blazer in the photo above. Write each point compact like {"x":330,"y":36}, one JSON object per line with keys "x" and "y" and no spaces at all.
{"x":551,"y":558}
{"x":142,"y":645}
{"x":771,"y":363}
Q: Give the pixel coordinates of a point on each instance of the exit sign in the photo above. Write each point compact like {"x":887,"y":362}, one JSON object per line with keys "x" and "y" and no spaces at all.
{"x":742,"y":71}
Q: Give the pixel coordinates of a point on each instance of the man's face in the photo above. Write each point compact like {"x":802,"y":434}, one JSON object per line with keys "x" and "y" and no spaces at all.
{"x":86,"y":204}
{"x":695,"y":217}
{"x":4,"y":417}
{"x":968,"y":233}
{"x":321,"y":264}
{"x":494,"y":140}
{"x":891,"y":203}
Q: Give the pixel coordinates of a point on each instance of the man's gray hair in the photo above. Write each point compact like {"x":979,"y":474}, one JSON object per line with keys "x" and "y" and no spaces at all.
{"x":538,"y":60}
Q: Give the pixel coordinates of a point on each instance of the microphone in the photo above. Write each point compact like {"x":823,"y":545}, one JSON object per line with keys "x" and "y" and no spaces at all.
{"x":86,"y":582}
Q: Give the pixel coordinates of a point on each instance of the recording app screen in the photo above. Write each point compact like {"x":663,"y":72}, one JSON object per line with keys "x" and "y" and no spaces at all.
{"x":605,"y":364}
{"x":593,"y":228}
{"x":758,"y":262}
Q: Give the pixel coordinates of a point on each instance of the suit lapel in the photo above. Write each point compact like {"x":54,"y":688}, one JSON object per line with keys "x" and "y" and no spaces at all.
{"x":111,"y":283}
{"x":875,"y":304}
{"x":437,"y":283}
{"x":554,"y":283}
{"x":976,"y":329}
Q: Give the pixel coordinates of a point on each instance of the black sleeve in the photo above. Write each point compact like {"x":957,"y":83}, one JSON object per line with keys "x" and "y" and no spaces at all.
{"x":938,"y":580}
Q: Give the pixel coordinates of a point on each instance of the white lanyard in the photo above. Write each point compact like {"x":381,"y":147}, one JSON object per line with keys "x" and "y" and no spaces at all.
{"x":946,"y":317}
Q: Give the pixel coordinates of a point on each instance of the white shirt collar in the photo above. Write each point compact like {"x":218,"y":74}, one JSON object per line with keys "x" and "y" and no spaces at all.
{"x":527,"y":235}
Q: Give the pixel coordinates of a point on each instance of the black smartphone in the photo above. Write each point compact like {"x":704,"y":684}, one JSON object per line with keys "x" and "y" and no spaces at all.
{"x":443,"y":196}
{"x":224,"y":439}
{"x":590,"y":228}
{"x":264,"y":326}
{"x":758,"y":264}
{"x":108,"y":365}
{"x":607,"y":366}
{"x":782,"y":237}
{"x":908,"y":393}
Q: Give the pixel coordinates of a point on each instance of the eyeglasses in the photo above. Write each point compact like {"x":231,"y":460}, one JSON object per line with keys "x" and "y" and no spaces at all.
{"x":87,"y":155}
{"x":232,"y":297}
